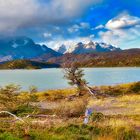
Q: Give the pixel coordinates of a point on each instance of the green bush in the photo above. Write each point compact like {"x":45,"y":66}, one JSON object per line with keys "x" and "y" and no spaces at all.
{"x":26,"y":109}
{"x":135,"y":87}
{"x":8,"y":136}
{"x":113,"y":90}
{"x":126,"y":134}
{"x":97,"y":116}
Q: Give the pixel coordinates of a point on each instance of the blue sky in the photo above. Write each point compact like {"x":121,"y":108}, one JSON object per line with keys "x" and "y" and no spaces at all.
{"x":56,"y":22}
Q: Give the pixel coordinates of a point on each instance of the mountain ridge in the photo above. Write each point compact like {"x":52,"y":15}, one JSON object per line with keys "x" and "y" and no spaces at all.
{"x":94,"y":54}
{"x":129,"y":57}
{"x":91,"y":47}
{"x":13,"y":48}
{"x":27,"y":64}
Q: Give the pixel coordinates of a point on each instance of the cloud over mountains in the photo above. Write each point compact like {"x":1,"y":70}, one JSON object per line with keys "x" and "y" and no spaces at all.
{"x":123,"y":21}
{"x":58,"y":21}
{"x":121,"y":29}
{"x":15,"y":14}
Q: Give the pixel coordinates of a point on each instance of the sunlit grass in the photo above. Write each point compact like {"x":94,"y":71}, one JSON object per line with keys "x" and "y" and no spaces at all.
{"x":120,"y":116}
{"x":55,"y":94}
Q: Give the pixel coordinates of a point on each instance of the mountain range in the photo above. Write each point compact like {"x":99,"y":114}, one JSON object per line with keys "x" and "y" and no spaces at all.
{"x":89,"y":55}
{"x":91,"y":47}
{"x":12,"y":48}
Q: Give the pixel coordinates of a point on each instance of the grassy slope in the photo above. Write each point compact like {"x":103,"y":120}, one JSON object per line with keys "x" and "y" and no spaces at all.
{"x":26,"y":64}
{"x":120,"y":118}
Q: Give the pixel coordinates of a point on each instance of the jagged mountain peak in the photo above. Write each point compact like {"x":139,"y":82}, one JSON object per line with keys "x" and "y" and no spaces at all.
{"x":62,"y":49}
{"x":91,"y":43}
{"x":22,"y":48}
{"x":81,"y":48}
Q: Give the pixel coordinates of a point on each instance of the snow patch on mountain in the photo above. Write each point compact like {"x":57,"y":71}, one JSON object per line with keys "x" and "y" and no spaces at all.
{"x":43,"y":48}
{"x":12,"y":48}
{"x":6,"y":58}
{"x":81,"y":48}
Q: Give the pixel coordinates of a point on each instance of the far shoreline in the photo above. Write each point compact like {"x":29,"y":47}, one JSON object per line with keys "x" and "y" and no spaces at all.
{"x":80,"y":67}
{"x":53,"y":78}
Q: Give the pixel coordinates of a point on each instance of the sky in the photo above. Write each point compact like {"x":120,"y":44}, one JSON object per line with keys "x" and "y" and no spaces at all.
{"x":57,"y":22}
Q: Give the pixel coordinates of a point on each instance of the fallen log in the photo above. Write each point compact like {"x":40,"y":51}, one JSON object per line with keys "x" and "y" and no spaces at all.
{"x":39,"y":116}
{"x":16,"y":118}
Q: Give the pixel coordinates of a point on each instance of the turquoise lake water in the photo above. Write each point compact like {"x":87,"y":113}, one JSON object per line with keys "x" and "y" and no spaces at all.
{"x":53,"y":78}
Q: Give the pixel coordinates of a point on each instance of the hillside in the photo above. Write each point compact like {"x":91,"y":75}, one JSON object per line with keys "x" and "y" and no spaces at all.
{"x":129,"y":57}
{"x":26,"y":64}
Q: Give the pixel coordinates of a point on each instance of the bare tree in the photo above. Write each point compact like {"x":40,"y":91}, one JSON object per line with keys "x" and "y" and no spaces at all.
{"x":74,"y":75}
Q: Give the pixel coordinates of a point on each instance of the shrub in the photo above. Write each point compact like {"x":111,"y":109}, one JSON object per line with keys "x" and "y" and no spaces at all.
{"x":9,"y":97}
{"x":26,"y":109}
{"x":126,"y":134}
{"x":13,"y":100}
{"x":122,"y":89}
{"x":113,"y":90}
{"x":33,"y":89}
{"x":97,"y":117}
{"x":135,"y":87}
{"x":8,"y":136}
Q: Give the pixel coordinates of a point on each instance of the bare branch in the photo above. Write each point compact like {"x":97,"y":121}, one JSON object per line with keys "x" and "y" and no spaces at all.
{"x":17,"y":118}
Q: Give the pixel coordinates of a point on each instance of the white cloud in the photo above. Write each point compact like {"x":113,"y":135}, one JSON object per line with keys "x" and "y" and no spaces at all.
{"x":15,"y":14}
{"x":121,"y":30}
{"x":123,"y":21}
{"x":77,"y":27}
{"x":99,"y":27}
{"x":74,"y":28}
{"x":47,"y":35}
{"x":72,"y":8}
{"x":92,"y":36}
{"x":85,"y":25}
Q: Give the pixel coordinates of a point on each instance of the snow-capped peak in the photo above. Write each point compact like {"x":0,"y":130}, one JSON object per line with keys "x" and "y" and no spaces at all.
{"x":90,"y":47}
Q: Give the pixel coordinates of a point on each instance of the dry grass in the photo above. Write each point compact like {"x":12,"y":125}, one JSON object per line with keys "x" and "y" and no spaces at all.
{"x":126,"y":105}
{"x":54,"y":95}
{"x":121,"y":116}
{"x":74,"y":108}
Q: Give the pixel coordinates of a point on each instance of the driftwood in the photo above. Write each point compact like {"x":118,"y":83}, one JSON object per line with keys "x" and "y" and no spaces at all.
{"x":91,"y":91}
{"x":39,"y":116}
{"x":16,"y":118}
{"x":28,"y":116}
{"x":96,"y":92}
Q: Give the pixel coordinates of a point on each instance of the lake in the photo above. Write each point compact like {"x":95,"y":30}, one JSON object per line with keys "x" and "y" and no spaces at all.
{"x":53,"y":78}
